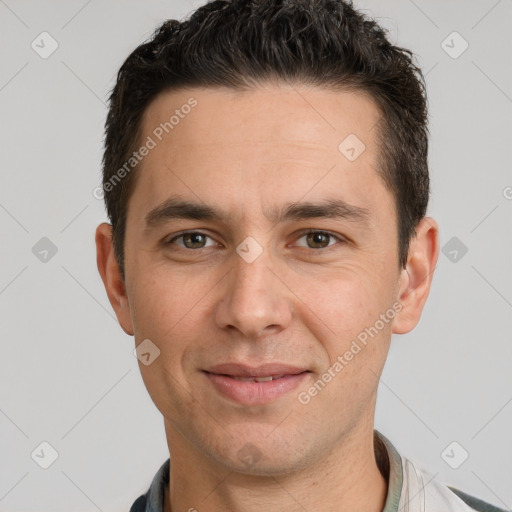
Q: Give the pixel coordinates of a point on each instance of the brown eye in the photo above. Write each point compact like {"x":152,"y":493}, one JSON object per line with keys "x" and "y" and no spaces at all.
{"x":318,"y":240}
{"x":192,"y":240}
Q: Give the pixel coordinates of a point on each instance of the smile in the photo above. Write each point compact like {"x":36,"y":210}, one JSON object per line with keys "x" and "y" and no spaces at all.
{"x":257,"y":379}
{"x":254,"y":385}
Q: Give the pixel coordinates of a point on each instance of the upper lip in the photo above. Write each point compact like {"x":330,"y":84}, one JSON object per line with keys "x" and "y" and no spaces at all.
{"x":264,"y":370}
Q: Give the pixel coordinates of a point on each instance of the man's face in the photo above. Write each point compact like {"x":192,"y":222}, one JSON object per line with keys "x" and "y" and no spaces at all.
{"x":285,"y":297}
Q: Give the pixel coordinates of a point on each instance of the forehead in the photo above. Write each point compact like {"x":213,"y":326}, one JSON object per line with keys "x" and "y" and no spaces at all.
{"x":263,"y":145}
{"x":304,"y":115}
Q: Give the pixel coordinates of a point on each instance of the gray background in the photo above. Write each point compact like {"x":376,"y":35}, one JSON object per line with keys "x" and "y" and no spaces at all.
{"x":67,"y":371}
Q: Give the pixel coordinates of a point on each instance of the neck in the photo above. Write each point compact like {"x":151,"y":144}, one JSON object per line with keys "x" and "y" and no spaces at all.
{"x":347,"y":478}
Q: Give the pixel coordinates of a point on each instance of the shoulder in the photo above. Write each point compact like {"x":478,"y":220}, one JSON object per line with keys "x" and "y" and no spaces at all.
{"x":420,"y":490}
{"x":476,"y":503}
{"x":154,"y":499}
{"x":139,"y":504}
{"x":436,"y":495}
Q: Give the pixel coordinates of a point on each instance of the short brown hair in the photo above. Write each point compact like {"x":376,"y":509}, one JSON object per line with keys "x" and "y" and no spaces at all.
{"x":241,"y":43}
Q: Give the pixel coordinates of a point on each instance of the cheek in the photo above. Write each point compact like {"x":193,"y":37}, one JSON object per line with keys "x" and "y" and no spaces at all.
{"x":162,"y":301}
{"x":345,"y":303}
{"x":354,"y":341}
{"x":165,"y":311}
{"x":346,"y":316}
{"x":173,"y":308}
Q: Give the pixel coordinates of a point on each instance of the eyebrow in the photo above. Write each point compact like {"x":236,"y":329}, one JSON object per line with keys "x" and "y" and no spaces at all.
{"x":176,"y":208}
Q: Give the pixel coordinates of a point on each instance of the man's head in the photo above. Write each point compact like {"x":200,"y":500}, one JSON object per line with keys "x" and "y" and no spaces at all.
{"x":264,"y":233}
{"x":239,"y":44}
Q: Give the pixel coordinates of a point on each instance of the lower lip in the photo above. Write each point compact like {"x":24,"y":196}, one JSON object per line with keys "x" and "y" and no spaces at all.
{"x":255,"y":393}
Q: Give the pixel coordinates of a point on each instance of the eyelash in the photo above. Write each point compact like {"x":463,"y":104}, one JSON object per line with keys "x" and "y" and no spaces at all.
{"x":303,"y":234}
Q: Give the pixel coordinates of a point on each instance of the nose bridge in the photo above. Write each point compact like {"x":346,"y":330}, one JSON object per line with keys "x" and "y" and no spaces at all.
{"x":253,"y":301}
{"x":249,"y":277}
{"x":251,"y":260}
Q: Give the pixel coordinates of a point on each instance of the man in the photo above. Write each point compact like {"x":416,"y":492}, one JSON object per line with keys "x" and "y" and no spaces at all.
{"x":266,"y":178}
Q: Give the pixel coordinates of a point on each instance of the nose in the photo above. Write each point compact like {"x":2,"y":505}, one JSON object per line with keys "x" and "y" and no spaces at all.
{"x":254,"y":299}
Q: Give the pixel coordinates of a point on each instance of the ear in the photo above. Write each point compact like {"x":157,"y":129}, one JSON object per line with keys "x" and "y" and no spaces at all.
{"x":416,"y":278}
{"x":111,"y":276}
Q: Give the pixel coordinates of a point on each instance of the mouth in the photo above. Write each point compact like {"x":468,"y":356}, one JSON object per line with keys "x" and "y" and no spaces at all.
{"x":256,"y":379}
{"x":255,"y":385}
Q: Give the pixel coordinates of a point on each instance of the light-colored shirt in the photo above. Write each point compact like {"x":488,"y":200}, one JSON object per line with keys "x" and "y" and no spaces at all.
{"x":410,"y":488}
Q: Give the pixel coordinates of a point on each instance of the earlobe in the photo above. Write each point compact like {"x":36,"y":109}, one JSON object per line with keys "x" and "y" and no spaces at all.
{"x":416,"y":277}
{"x":110,"y":272}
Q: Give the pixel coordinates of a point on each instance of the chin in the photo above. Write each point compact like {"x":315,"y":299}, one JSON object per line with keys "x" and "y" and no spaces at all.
{"x":262,"y":456}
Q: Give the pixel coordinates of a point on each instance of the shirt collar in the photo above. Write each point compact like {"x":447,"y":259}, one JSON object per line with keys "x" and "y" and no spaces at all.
{"x":155,"y":498}
{"x":390,"y":465}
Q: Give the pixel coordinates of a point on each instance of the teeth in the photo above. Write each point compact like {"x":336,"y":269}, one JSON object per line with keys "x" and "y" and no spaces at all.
{"x":258,"y":379}
{"x":262,"y":379}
